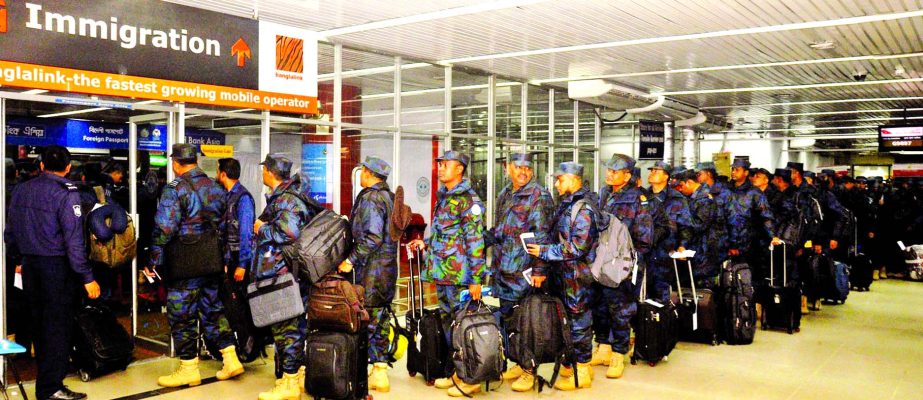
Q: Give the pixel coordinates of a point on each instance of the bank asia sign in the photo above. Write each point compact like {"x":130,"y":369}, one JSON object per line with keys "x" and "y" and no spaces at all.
{"x":152,"y":49}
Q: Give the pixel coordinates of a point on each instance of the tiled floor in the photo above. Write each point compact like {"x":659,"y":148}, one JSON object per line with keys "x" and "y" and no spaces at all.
{"x":870,"y":348}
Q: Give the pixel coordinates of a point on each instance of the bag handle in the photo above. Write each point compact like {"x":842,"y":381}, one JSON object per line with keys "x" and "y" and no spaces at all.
{"x":100,"y":194}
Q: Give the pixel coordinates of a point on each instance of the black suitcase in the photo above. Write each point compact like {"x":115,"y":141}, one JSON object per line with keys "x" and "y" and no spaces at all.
{"x":337,"y":364}
{"x":101,"y":344}
{"x":860,"y":277}
{"x":737,"y":314}
{"x":251,"y":341}
{"x":656,"y":331}
{"x":697,"y":310}
{"x":781,"y":300}
{"x":430,"y":357}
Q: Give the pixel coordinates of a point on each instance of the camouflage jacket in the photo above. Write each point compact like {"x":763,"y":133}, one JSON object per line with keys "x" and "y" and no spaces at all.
{"x":528,"y":209}
{"x":456,"y":244}
{"x":673,"y":223}
{"x":706,"y":238}
{"x":283,"y":218}
{"x":632,"y":208}
{"x":576,"y":244}
{"x":374,"y":253}
{"x":722,"y":197}
{"x":186,"y":209}
{"x":750,"y":218}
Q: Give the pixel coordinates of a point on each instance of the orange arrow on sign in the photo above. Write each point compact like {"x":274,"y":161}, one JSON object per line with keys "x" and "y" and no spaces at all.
{"x":242,"y":51}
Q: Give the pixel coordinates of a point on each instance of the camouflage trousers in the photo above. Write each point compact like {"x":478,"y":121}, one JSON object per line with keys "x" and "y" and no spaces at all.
{"x":290,"y":336}
{"x":379,"y":330}
{"x":196,"y":300}
{"x":448,"y":298}
{"x":582,"y":335}
{"x":613,"y":309}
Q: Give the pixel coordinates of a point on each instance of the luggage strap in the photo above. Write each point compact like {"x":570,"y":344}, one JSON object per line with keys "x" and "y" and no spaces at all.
{"x":262,"y":290}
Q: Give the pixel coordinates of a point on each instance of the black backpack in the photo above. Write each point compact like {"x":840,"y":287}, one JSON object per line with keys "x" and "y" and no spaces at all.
{"x":539,"y":333}
{"x":323,"y":244}
{"x":477,"y":344}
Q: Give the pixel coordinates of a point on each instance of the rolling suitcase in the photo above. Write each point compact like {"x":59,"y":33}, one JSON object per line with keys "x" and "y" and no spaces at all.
{"x":781,"y":303}
{"x":697,"y":310}
{"x":337,"y":364}
{"x":430,"y":356}
{"x":656,"y":331}
{"x":838,"y":285}
{"x":860,"y":277}
{"x":738,"y":317}
{"x":101,"y":344}
{"x":338,"y":360}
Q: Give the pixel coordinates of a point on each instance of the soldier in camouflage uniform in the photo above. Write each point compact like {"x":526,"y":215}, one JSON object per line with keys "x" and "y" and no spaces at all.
{"x":750,"y":219}
{"x":613,"y":308}
{"x":280,"y":224}
{"x":185,"y":205}
{"x":785,"y":210}
{"x":457,"y":248}
{"x":706,"y":264}
{"x":523,"y":206}
{"x":722,"y":196}
{"x":374,"y":257}
{"x":673,"y":230}
{"x":575,"y":225}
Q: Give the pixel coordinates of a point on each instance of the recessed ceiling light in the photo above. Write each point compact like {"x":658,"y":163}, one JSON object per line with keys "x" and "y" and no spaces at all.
{"x":823,"y":45}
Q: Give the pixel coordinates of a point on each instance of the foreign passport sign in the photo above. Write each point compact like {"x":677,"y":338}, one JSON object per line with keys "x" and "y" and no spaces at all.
{"x":151,"y":49}
{"x":651,"y":144}
{"x":897,"y":138}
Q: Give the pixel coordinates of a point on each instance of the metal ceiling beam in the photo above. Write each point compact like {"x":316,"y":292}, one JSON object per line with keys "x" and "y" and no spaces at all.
{"x":697,"y":36}
{"x":812,"y":102}
{"x":730,"y":67}
{"x":430,"y":16}
{"x":789,"y":87}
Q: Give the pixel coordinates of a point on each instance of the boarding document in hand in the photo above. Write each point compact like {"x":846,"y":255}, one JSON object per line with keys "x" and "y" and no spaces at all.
{"x":527,"y":239}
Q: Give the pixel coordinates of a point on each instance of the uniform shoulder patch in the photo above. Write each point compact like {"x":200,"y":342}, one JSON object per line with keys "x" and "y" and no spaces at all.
{"x":174,"y":184}
{"x":710,"y":196}
{"x":476,"y":209}
{"x":642,"y":197}
{"x":71,"y":187}
{"x":77,"y":212}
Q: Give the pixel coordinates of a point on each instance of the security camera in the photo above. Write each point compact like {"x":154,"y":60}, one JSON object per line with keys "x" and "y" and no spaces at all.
{"x":859,"y":75}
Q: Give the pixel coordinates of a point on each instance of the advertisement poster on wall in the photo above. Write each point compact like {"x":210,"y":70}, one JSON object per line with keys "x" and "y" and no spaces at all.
{"x":318,"y":167}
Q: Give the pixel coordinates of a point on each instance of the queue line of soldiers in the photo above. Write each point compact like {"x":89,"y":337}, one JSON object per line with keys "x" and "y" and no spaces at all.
{"x":680,"y":210}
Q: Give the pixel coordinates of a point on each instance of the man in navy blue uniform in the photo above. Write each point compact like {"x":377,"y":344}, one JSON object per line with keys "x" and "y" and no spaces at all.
{"x":46,"y":231}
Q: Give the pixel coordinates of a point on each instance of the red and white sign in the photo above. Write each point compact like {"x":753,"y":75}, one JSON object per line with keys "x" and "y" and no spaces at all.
{"x":907,"y":170}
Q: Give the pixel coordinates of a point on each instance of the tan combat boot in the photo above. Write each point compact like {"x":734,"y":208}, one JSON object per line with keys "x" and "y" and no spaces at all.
{"x":232,"y":366}
{"x":569,"y":383}
{"x":301,"y":378}
{"x":186,"y":374}
{"x":602,"y":355}
{"x":512,"y":373}
{"x":378,"y":379}
{"x":464,"y":389}
{"x":525,"y":382}
{"x":445,"y":383}
{"x":285,"y":389}
{"x":616,"y":366}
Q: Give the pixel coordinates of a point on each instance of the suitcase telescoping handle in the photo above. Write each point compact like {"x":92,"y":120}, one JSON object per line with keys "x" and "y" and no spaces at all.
{"x":695,"y":296}
{"x":772,"y":265}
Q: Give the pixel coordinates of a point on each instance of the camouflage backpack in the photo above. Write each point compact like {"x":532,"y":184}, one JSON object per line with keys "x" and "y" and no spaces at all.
{"x":121,"y":247}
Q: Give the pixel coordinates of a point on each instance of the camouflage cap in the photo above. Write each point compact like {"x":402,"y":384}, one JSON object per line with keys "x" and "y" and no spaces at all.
{"x":619,"y":162}
{"x":183,"y":151}
{"x":740,"y":163}
{"x":377,"y":165}
{"x":702,"y":166}
{"x":797,"y":166}
{"x":278,"y":164}
{"x":569,"y":168}
{"x":521,"y":159}
{"x":784,"y":173}
{"x":662,"y":165}
{"x":453,"y":155}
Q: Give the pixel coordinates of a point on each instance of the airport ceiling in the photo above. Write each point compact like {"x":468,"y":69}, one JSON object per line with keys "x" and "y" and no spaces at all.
{"x":771,"y":66}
